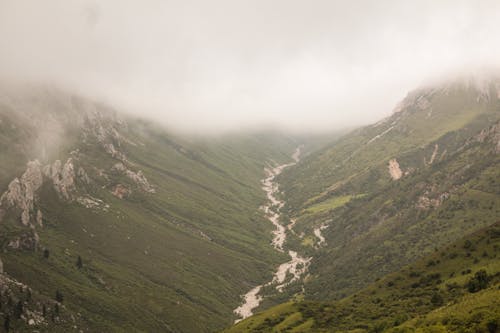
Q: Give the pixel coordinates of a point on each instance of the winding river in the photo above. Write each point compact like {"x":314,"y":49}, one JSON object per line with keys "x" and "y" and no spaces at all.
{"x":293,"y":268}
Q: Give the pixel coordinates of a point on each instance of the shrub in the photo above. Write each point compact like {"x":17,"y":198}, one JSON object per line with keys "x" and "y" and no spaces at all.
{"x":478,"y":282}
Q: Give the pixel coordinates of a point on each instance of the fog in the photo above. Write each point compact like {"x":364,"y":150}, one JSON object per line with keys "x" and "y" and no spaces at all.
{"x":222,"y":65}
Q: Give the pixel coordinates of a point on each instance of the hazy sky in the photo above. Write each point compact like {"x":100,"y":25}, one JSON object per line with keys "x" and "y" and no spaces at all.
{"x":223,"y":64}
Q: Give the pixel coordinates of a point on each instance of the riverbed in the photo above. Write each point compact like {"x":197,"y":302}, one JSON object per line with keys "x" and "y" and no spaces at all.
{"x":296,"y":266}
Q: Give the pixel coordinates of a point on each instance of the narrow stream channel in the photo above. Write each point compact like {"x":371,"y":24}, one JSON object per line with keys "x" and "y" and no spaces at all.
{"x":296,"y":266}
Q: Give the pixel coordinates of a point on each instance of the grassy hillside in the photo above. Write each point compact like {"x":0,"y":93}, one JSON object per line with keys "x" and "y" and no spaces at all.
{"x":169,"y":239}
{"x":454,"y":289}
{"x":392,"y":192}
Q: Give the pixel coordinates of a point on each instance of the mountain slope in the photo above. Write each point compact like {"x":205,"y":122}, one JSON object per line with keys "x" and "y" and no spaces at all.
{"x":168,"y":229}
{"x":385,"y":195}
{"x":455,"y":288}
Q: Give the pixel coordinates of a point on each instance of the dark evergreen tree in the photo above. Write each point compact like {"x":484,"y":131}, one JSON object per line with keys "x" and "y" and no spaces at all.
{"x":478,"y":282}
{"x":59,"y":296}
{"x":437,"y":299}
{"x":18,"y":310}
{"x":46,"y":253}
{"x":79,"y":262}
{"x":6,"y":323}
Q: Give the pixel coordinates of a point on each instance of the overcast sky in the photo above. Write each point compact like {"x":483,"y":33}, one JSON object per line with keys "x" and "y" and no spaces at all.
{"x":218,"y":65}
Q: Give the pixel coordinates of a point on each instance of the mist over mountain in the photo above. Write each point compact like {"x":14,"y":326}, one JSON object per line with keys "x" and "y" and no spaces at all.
{"x":224,"y":65}
{"x":256,"y":166}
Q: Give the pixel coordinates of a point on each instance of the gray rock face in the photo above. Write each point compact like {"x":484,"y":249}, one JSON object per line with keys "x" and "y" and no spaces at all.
{"x":63,"y":178}
{"x":21,"y":192}
{"x":26,"y":241}
{"x":141,"y":181}
{"x":137,"y":177}
{"x":102,"y":127}
{"x":490,"y":134}
{"x":39,"y":218}
{"x":82,"y":175}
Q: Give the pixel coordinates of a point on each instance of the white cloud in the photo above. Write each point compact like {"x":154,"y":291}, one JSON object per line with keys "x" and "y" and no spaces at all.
{"x":223,"y":64}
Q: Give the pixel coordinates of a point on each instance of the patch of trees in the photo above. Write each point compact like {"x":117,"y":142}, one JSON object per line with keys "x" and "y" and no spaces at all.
{"x":478,"y":282}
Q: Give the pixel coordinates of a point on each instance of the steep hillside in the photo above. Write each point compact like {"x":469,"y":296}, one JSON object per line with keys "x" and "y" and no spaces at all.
{"x":385,"y":195}
{"x":134,"y":229}
{"x":456,"y":288}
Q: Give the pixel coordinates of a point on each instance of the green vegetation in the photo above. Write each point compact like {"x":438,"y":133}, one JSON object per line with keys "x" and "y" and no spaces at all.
{"x":332,"y":203}
{"x":395,"y":222}
{"x":173,"y":234}
{"x":443,"y":144}
{"x":148,"y":261}
{"x":432,"y":295}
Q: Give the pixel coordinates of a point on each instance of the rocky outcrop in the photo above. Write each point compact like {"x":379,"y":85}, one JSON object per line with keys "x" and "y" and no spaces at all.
{"x":39,"y":218}
{"x":25,"y":241}
{"x":418,"y":99}
{"x":490,"y":134}
{"x":92,"y":203}
{"x":21,"y":192}
{"x":140,"y":180}
{"x":119,"y":167}
{"x":425,"y":202}
{"x":103,"y":128}
{"x":82,"y":176}
{"x":121,"y":191}
{"x":433,"y":156}
{"x":63,"y":178}
{"x":394,"y":169}
{"x":137,"y":177}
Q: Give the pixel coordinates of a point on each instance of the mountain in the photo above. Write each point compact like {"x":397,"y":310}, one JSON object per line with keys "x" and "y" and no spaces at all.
{"x":385,"y":196}
{"x":111,"y":223}
{"x":456,"y":288}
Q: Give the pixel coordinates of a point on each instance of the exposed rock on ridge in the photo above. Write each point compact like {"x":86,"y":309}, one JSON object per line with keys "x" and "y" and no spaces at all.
{"x":137,"y":177}
{"x":394,"y":169}
{"x":63,"y":178}
{"x":21,"y":192}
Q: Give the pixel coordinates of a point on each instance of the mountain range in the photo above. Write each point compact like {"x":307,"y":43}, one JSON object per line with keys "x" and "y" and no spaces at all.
{"x":111,"y":223}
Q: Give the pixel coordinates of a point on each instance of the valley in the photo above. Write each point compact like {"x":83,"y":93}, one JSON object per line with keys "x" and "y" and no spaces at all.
{"x":249,"y":166}
{"x":296,"y":266}
{"x":135,"y":228}
{"x":162,"y":223}
{"x":400,"y":219}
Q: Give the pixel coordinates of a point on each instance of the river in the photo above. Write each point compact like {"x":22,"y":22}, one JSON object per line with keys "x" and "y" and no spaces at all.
{"x":296,"y":266}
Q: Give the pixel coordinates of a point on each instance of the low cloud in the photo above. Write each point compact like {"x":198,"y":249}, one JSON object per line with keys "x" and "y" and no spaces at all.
{"x":225,"y":64}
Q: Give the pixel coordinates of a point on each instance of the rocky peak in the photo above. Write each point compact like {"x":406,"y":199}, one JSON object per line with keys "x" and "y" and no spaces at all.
{"x":21,"y":192}
{"x":104,"y":128}
{"x":486,"y":88}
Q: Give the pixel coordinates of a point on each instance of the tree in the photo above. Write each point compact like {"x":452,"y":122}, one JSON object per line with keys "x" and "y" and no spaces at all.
{"x":46,"y":253}
{"x":79,"y":262}
{"x":492,"y":326}
{"x":6,"y":323}
{"x":44,"y":311}
{"x":19,"y":310}
{"x":478,"y":282}
{"x":437,"y":299}
{"x":59,"y":296}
